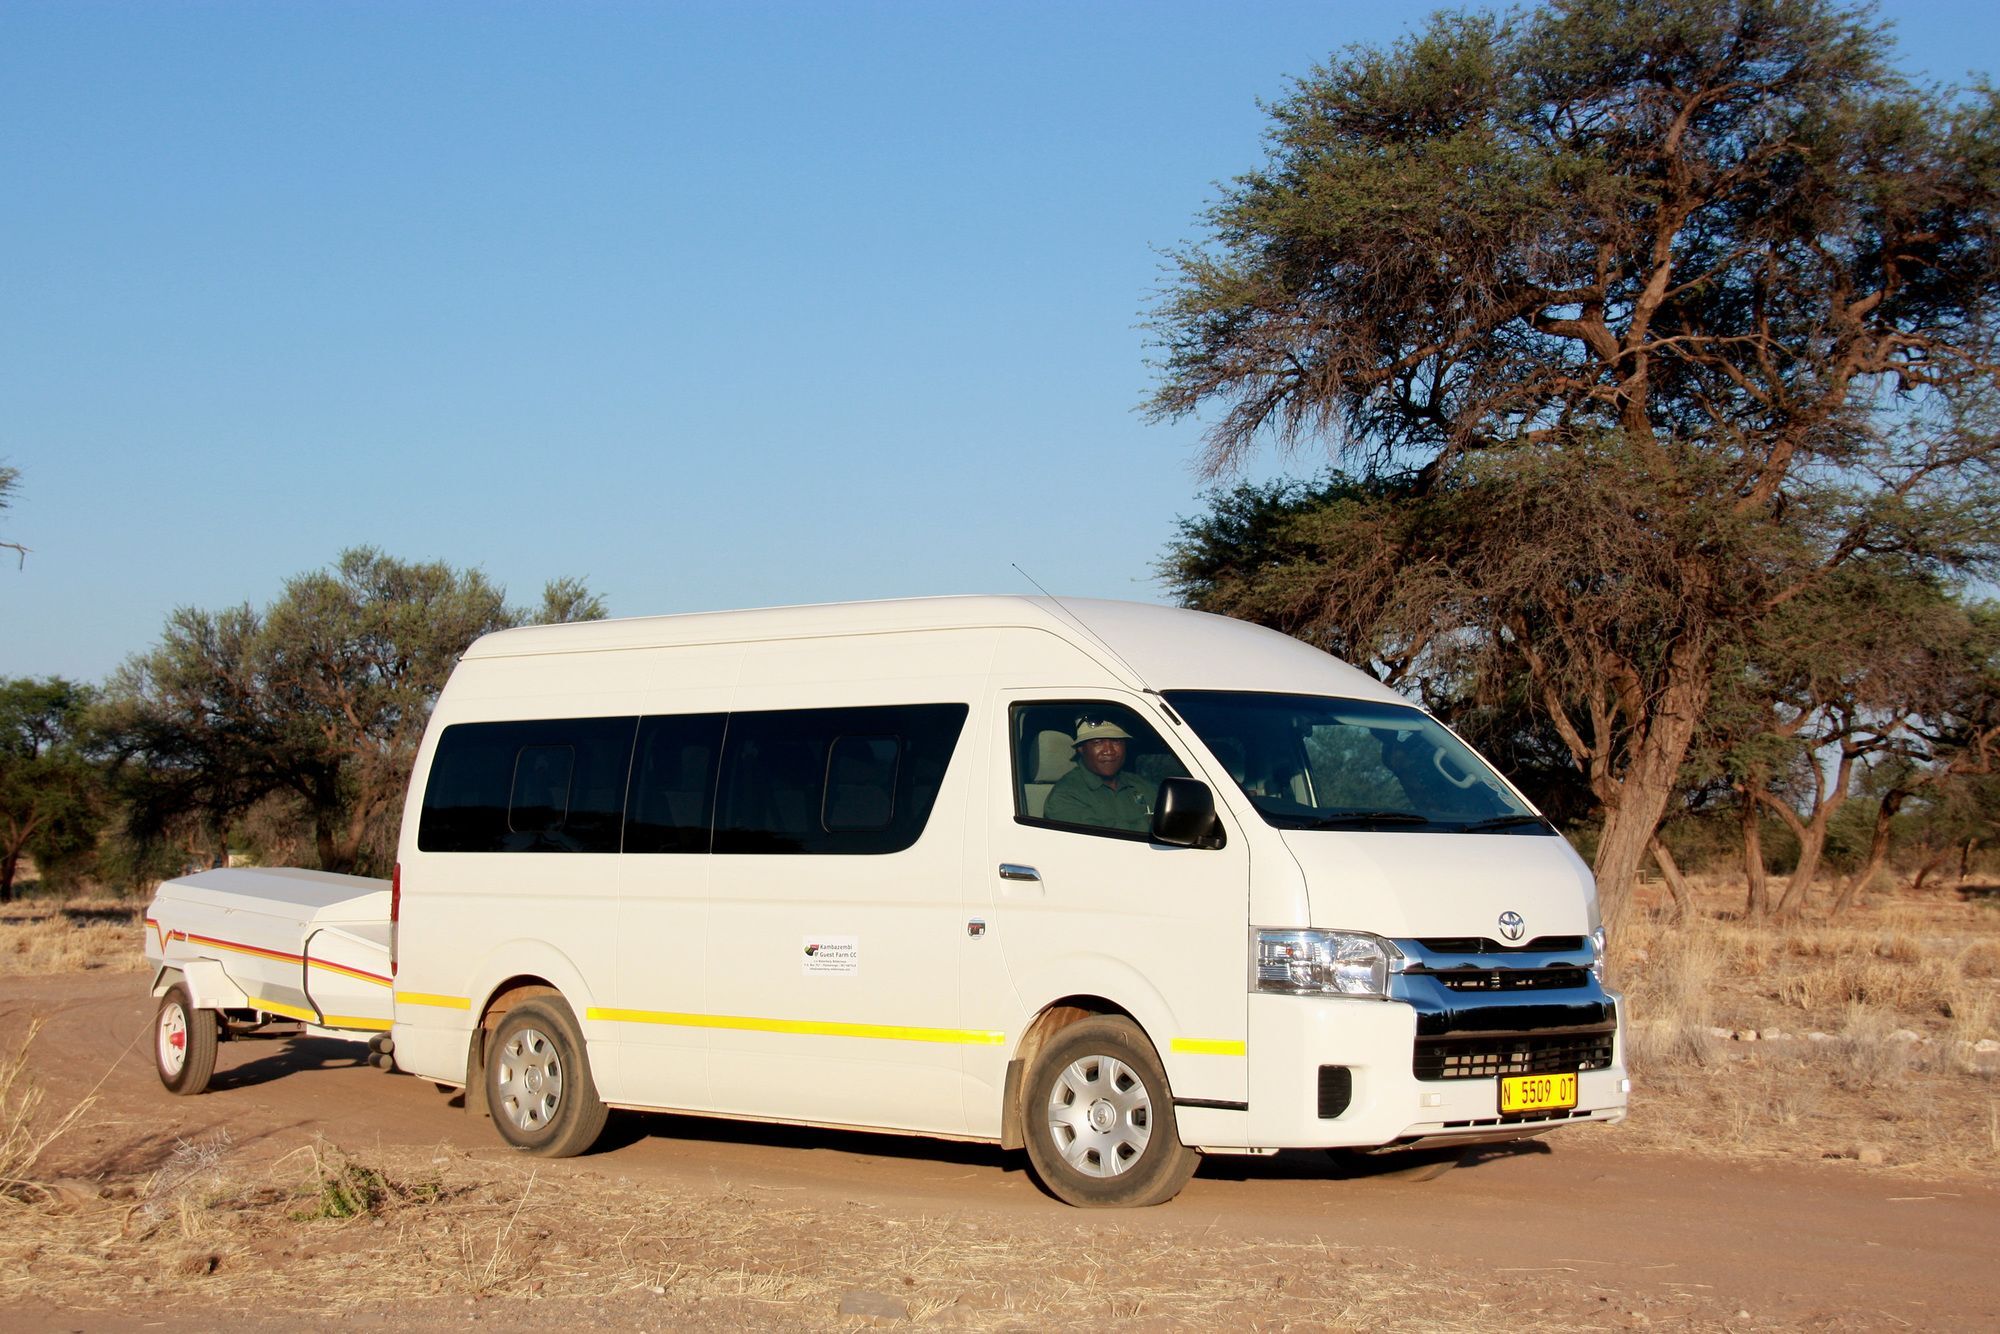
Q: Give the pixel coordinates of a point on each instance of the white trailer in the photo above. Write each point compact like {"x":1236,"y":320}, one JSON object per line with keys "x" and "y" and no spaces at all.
{"x":233,"y":950}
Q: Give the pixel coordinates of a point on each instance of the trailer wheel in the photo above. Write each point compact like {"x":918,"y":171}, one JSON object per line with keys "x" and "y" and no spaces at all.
{"x":1099,"y":1119}
{"x":538,"y":1081}
{"x":183,"y":1042}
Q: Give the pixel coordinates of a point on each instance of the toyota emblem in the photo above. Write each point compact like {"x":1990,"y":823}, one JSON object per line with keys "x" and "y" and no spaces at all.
{"x":1513,"y":925}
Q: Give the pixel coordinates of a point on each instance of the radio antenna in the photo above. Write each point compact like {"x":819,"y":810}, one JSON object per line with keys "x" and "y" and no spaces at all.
{"x":1079,"y":623}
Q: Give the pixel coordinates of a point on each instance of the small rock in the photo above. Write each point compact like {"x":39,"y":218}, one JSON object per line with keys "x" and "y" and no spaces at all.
{"x":1986,"y":1046}
{"x":1724,"y":1033}
{"x":1746,"y":1035}
{"x":1817,"y":1036}
{"x":1870,"y":1155}
{"x":1640,"y":956}
{"x":1905,"y":1035}
{"x":874,"y":1305}
{"x":1774,"y":1035}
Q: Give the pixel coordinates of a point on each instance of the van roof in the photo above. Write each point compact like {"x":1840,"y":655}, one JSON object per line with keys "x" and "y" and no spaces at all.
{"x":1147,"y":645}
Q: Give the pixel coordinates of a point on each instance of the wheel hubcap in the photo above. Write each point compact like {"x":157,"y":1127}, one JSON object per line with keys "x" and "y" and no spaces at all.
{"x":1100,"y":1116}
{"x":528,"y":1076}
{"x":173,"y":1039}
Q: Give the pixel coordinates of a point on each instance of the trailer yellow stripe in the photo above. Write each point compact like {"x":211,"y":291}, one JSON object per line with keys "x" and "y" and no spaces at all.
{"x":1208,"y":1046}
{"x":280,"y":1007}
{"x":305,"y":1015}
{"x":813,"y":1027}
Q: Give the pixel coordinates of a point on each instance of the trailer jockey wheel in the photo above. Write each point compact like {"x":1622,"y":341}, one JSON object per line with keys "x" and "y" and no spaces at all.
{"x":183,"y":1042}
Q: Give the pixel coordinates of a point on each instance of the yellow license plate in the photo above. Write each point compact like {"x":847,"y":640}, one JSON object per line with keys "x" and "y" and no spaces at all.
{"x":1537,"y":1093}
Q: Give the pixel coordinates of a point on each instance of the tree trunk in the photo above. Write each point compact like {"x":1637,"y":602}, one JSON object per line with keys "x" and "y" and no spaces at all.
{"x":1758,"y":904}
{"x":1670,"y":872}
{"x":1878,"y":852}
{"x":1638,"y":802}
{"x":9,"y":864}
{"x":1931,"y":864}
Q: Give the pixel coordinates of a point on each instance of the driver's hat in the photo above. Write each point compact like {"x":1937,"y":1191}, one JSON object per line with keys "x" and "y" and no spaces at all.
{"x":1090,"y":729}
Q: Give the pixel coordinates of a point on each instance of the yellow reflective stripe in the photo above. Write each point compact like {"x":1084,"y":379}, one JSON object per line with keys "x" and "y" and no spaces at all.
{"x":1208,"y":1046}
{"x":301,"y":1013}
{"x":279,"y":1007}
{"x":815,"y":1027}
{"x":357,"y":1021}
{"x":426,"y":998}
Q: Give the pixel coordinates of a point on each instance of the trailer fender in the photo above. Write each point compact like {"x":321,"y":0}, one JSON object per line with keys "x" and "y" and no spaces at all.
{"x":208,"y":986}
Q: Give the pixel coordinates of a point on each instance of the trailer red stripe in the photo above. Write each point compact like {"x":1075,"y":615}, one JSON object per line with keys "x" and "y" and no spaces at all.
{"x":281,"y":956}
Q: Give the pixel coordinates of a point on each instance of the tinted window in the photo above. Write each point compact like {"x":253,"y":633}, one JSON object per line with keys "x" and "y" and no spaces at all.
{"x":1309,"y":762}
{"x":556,"y":785}
{"x":833,"y":780}
{"x":673,"y":783}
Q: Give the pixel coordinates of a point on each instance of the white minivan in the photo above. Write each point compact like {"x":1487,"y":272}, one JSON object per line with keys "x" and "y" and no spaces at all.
{"x":1119,"y":884}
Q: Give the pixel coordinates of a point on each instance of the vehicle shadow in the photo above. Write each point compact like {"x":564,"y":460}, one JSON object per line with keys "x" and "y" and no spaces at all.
{"x":289,"y":1054}
{"x":628,"y":1128}
{"x":1363,"y":1165}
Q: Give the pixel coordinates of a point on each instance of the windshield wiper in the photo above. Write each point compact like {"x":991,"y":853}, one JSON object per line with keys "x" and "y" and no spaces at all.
{"x":1335,"y":819}
{"x":1499,"y":822}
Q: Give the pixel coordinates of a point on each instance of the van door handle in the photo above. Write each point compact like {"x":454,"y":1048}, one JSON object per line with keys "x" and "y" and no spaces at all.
{"x":1009,"y":871}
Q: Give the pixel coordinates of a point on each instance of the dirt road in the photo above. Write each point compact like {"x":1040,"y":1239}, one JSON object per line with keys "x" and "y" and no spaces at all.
{"x":1806,"y":1243}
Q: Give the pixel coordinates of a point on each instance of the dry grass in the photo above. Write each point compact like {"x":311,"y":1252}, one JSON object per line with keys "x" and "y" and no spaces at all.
{"x":321,"y":1234}
{"x":40,"y":938}
{"x":1820,"y":1039}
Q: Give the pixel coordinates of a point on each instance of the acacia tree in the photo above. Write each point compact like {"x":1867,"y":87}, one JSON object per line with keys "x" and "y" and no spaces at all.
{"x":9,"y":479}
{"x":1620,"y":297}
{"x":319,"y":700}
{"x":48,"y":781}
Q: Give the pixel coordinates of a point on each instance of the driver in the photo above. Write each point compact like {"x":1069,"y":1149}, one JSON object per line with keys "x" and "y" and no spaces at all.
{"x":1098,"y":792}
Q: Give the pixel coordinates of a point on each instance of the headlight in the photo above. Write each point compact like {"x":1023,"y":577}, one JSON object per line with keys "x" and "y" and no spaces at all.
{"x":1597,"y":955}
{"x":1323,"y":963}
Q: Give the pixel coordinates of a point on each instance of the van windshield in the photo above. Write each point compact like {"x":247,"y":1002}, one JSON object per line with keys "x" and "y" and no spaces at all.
{"x":1313,"y":762}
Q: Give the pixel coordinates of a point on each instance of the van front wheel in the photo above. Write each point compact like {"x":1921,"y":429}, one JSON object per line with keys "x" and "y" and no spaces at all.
{"x":1099,"y":1119}
{"x":538,"y":1083}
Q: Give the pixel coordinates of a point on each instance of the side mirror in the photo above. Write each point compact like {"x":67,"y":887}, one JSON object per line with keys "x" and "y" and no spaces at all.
{"x":1184,"y":816}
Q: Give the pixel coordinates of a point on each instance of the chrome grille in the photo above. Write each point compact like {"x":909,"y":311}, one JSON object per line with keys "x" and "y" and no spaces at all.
{"x":1510,"y":979}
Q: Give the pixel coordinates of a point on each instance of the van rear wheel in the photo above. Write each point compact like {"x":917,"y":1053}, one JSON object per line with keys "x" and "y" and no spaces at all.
{"x":538,"y":1083}
{"x":184,"y":1038}
{"x":1099,"y":1119}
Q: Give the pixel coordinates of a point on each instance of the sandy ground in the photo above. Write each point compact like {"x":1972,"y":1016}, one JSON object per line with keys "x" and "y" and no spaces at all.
{"x":1572,"y":1229}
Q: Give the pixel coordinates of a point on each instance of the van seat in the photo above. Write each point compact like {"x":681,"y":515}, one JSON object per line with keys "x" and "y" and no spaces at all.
{"x":1055,"y":755}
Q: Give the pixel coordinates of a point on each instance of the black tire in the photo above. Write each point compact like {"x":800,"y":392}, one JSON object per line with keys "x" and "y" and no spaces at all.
{"x":538,"y":1083}
{"x":1099,"y":1119}
{"x":183,"y":1042}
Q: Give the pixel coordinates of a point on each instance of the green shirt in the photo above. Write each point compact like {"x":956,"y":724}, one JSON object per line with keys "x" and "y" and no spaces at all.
{"x":1081,"y":797}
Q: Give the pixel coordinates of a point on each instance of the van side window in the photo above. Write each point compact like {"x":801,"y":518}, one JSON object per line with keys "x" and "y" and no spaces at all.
{"x":1053,"y":785}
{"x":554,"y":785}
{"x":673,"y":783}
{"x":840,"y":781}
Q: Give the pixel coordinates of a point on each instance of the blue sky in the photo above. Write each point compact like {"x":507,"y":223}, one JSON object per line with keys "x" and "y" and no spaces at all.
{"x":712,"y":305}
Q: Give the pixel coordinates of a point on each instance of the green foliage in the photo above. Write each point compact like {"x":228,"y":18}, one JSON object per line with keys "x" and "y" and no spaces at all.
{"x":1642,"y":324}
{"x":49,"y":784}
{"x":307,"y":714}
